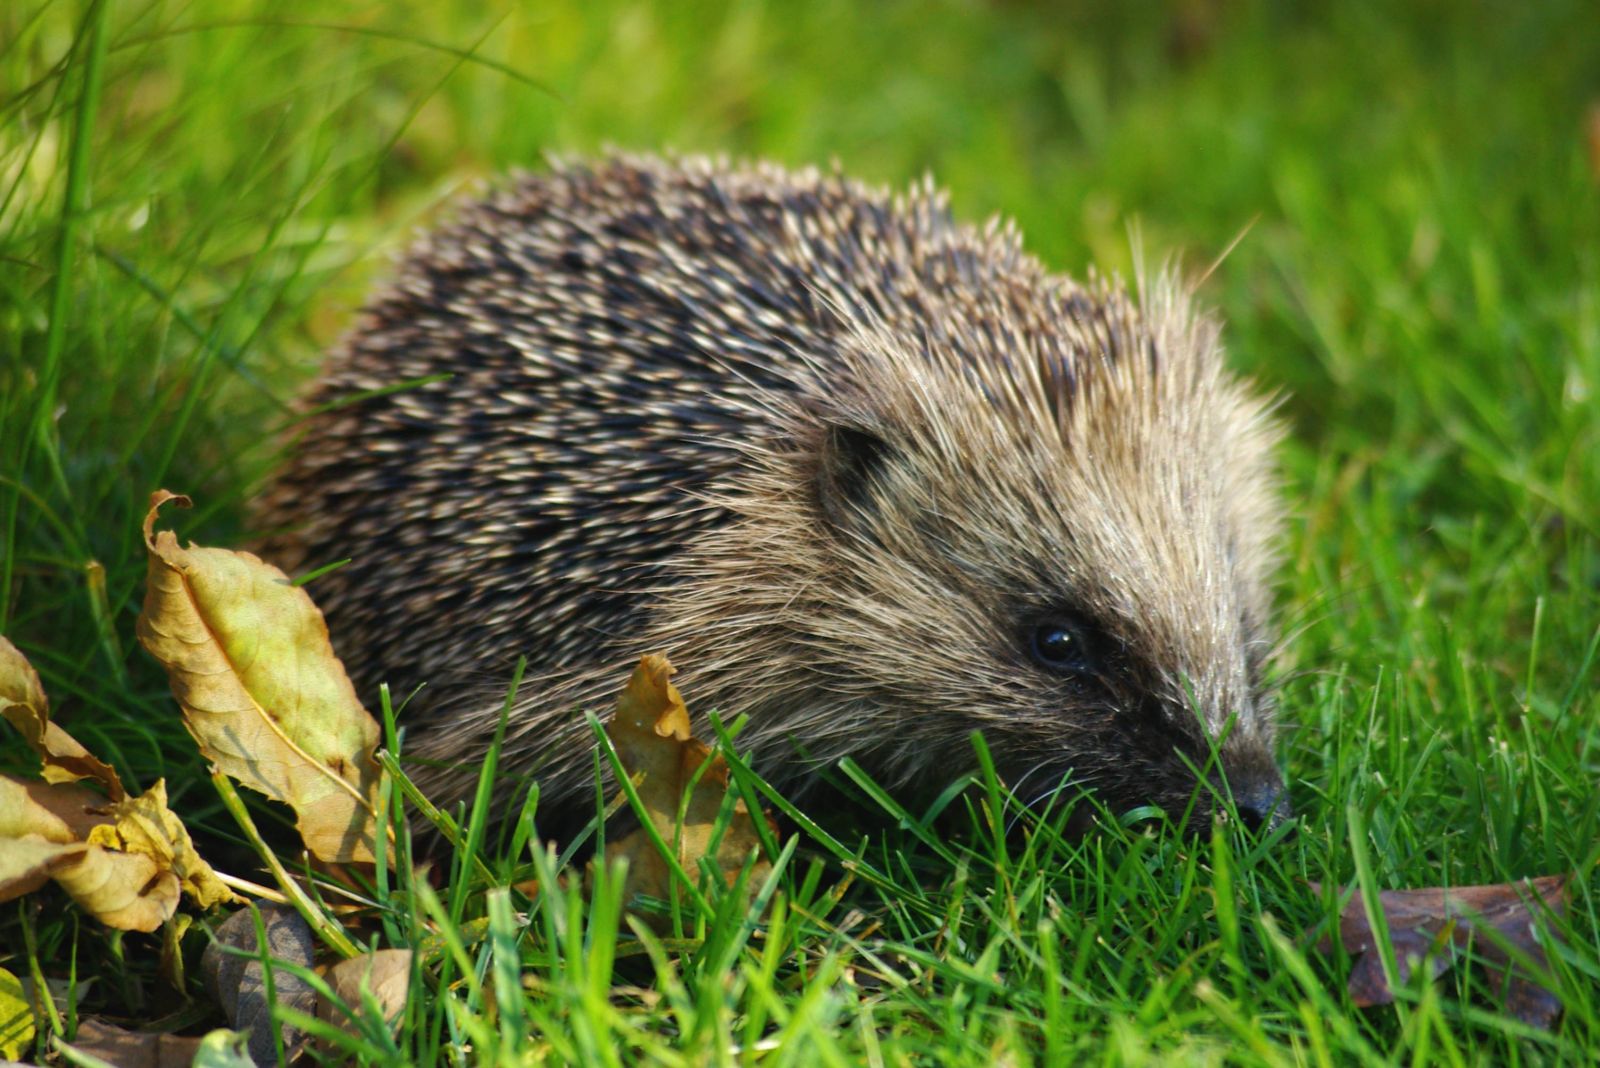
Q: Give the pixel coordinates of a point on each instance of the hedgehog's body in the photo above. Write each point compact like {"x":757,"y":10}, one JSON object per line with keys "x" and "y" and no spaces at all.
{"x":869,"y":476}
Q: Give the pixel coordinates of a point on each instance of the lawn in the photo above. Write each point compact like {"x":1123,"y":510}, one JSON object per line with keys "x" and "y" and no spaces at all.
{"x":195,"y":195}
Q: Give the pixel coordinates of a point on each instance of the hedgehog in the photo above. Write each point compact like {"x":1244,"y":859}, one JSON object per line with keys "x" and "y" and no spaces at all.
{"x":873,"y":477}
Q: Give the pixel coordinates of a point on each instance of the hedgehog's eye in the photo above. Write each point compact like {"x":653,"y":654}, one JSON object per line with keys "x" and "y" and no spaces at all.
{"x":1061,"y":646}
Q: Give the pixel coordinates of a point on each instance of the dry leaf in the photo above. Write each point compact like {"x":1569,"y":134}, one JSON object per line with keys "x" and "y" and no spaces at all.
{"x":145,"y":824}
{"x":46,"y":832}
{"x":238,"y":984}
{"x":249,"y":660}
{"x":23,"y":704}
{"x":650,"y":731}
{"x":65,"y":814}
{"x":124,"y":862}
{"x":385,"y":973}
{"x":1442,"y":921}
{"x":133,"y":1049}
{"x":122,"y":890}
{"x":57,"y":813}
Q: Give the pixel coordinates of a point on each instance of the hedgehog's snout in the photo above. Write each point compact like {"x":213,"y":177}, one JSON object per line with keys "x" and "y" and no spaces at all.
{"x":1255,"y":785}
{"x":1262,"y":802}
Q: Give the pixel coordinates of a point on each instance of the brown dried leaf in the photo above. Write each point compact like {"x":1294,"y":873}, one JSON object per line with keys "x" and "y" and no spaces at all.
{"x":1442,"y":920}
{"x":385,"y":973}
{"x":123,"y":861}
{"x":650,"y":731}
{"x":122,"y":890}
{"x":249,"y":660}
{"x":60,"y":813}
{"x":133,"y":1049}
{"x":145,"y":824}
{"x":120,"y":858}
{"x":45,"y":832}
{"x":23,"y":704}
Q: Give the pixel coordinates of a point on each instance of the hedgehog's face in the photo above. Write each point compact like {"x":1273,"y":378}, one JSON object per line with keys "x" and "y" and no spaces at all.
{"x":1086,"y":584}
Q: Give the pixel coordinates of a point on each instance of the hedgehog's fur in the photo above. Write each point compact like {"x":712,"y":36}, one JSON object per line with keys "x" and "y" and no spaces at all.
{"x":832,"y":451}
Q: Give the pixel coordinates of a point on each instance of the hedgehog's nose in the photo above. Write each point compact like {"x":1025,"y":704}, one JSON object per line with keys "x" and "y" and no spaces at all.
{"x":1262,"y":804}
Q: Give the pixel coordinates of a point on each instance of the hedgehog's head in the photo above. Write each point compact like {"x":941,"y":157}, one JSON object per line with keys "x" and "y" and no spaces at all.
{"x":1058,"y":533}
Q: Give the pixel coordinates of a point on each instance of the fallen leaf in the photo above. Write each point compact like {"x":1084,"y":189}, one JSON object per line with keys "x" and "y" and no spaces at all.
{"x":1441,"y":921}
{"x":385,"y":974}
{"x":132,"y":1049}
{"x":145,"y":824}
{"x":22,"y":703}
{"x":651,"y":733}
{"x":262,"y":692}
{"x":123,"y":859}
{"x":60,"y":813}
{"x":45,"y":832}
{"x":16,"y":1017}
{"x":238,"y":982}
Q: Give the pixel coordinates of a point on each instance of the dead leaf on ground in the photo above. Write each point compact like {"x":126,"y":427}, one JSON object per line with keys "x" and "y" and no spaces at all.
{"x":384,"y":973}
{"x":1442,"y":921}
{"x":132,"y":1049}
{"x":47,"y":831}
{"x":262,"y":692}
{"x":145,"y":825}
{"x":122,"y":858}
{"x":238,"y":982}
{"x":125,"y":862}
{"x":650,"y":731}
{"x":23,"y":704}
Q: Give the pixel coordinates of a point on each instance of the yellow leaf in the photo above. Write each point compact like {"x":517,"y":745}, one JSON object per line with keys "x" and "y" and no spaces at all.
{"x":145,"y":825}
{"x":57,"y":830}
{"x":16,"y":1017}
{"x":56,"y":813}
{"x":651,"y":733}
{"x":22,"y":703}
{"x":122,"y":890}
{"x":47,"y":832}
{"x":249,"y":660}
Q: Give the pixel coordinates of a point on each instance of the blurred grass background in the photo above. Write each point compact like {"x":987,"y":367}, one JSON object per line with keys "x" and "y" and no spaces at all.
{"x":195,"y":195}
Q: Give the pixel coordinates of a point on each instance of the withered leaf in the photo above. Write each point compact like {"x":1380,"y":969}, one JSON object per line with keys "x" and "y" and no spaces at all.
{"x":47,"y":832}
{"x":384,"y":973}
{"x":238,"y":982}
{"x":1442,"y":921}
{"x":249,"y":660}
{"x":145,"y":824}
{"x":23,"y":704}
{"x":123,"y":861}
{"x":120,"y":857}
{"x":133,"y":1049}
{"x":651,"y":733}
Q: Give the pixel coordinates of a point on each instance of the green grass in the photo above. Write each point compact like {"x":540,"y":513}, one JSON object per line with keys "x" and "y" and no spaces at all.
{"x":193,"y":197}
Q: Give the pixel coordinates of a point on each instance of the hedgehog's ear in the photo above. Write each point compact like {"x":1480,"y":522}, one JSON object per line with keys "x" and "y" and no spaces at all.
{"x":853,"y":460}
